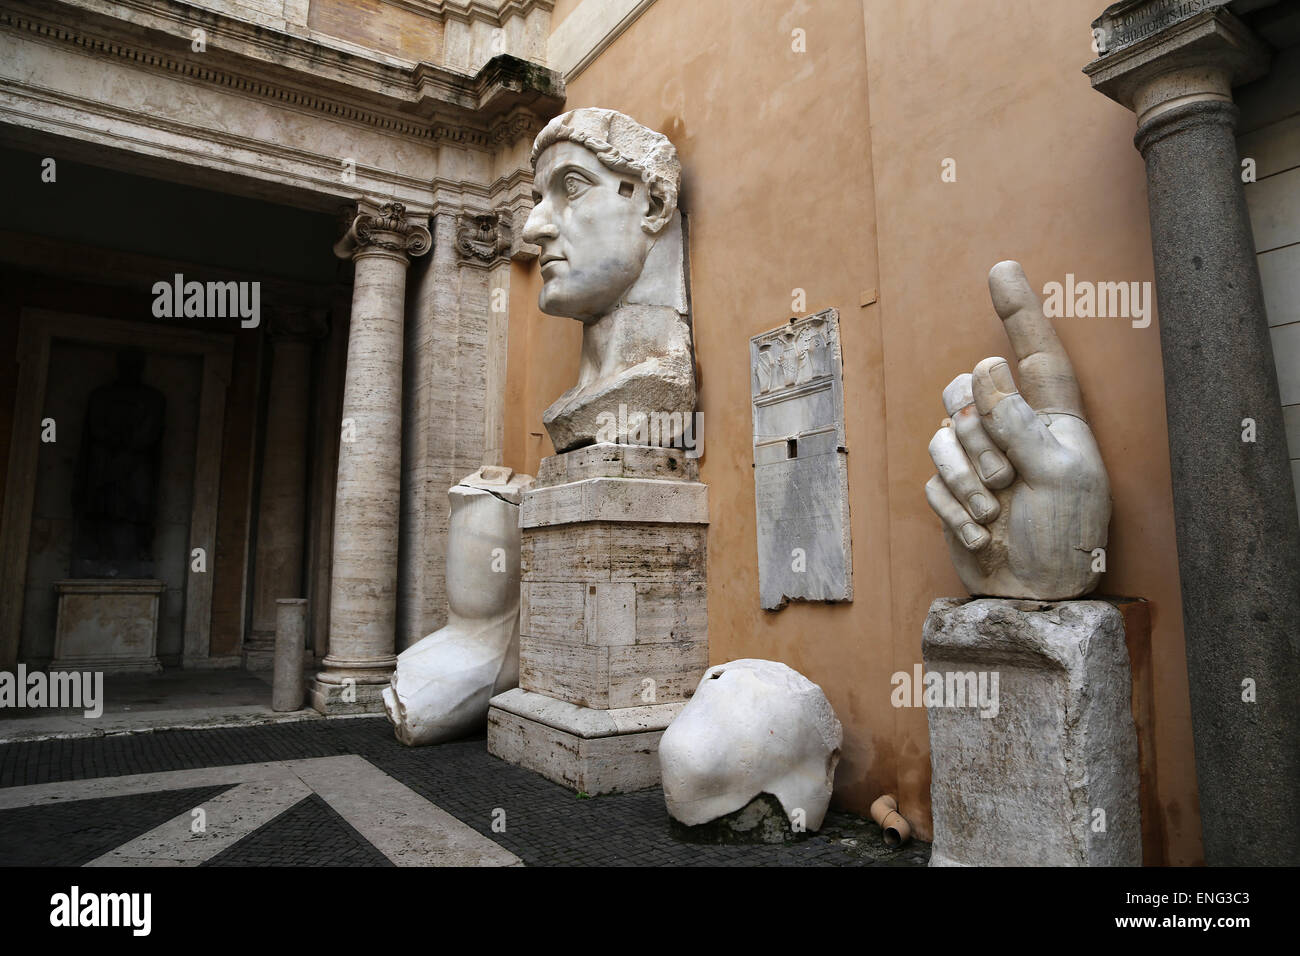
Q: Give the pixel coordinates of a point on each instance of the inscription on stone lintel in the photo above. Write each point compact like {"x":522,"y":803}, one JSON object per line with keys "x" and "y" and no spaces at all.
{"x":800,"y":463}
{"x":1127,"y":22}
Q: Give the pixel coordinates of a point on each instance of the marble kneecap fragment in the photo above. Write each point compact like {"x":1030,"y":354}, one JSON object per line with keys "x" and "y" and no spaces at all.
{"x":442,"y":684}
{"x":752,"y":727}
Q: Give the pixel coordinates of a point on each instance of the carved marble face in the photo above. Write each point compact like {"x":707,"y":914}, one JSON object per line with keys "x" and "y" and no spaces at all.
{"x":595,"y":227}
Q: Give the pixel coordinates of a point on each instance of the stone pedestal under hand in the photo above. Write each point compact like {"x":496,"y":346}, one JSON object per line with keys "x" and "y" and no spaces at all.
{"x":442,"y":684}
{"x":613,"y":616}
{"x":1033,"y":750}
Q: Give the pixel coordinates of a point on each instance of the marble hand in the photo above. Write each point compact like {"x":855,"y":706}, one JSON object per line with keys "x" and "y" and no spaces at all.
{"x":1021,"y":487}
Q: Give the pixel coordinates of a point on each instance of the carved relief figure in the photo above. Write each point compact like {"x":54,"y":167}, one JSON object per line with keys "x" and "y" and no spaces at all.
{"x":612,"y":256}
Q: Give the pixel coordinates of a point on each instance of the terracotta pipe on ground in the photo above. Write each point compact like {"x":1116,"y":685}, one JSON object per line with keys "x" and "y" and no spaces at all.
{"x":897,"y":830}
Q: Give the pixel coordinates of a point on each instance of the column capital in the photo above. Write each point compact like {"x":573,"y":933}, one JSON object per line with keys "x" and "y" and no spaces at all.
{"x":383,"y":228}
{"x":1156,"y":55}
{"x":483,"y":238}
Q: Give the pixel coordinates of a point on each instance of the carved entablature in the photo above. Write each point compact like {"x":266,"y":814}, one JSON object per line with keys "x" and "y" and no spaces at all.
{"x":384,"y":227}
{"x":483,"y":238}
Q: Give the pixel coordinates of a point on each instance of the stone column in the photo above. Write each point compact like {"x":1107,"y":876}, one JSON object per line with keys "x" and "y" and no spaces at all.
{"x":363,"y":593}
{"x":281,"y":518}
{"x":1234,"y":504}
{"x":287,"y":690}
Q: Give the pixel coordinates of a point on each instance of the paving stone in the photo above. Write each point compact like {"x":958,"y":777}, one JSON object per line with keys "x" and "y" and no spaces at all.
{"x":76,"y":832}
{"x":545,"y":824}
{"x":310,"y":833}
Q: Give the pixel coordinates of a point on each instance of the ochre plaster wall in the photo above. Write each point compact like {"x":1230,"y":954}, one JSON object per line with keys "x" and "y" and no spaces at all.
{"x":821,"y":171}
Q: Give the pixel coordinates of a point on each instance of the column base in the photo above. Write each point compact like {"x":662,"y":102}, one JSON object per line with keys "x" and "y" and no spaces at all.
{"x":587,"y":750}
{"x":333,"y":699}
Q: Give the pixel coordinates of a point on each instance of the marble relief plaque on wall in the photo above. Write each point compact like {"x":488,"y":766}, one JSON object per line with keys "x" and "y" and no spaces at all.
{"x":801,"y":479}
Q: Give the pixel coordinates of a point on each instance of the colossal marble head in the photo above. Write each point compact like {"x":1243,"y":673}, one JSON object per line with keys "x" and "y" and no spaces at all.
{"x":605,"y":189}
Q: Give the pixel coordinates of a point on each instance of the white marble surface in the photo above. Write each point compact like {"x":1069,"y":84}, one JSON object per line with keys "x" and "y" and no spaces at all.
{"x":752,"y":727}
{"x":442,"y":684}
{"x":801,"y":472}
{"x":613,"y":256}
{"x":1020,"y":485}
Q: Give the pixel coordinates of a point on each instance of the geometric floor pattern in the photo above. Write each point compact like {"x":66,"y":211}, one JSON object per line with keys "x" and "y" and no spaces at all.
{"x":310,"y":833}
{"x":345,"y":792}
{"x":399,"y":824}
{"x":75,"y":833}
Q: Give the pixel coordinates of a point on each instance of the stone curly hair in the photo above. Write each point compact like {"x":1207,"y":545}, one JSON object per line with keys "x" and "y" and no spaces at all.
{"x":622,"y":144}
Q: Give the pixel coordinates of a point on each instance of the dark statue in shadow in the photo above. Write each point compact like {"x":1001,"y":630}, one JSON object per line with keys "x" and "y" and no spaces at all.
{"x":115,"y":492}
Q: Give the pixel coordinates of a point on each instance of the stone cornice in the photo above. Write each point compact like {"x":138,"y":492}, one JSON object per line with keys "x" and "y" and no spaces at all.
{"x":419,"y":100}
{"x":493,"y":12}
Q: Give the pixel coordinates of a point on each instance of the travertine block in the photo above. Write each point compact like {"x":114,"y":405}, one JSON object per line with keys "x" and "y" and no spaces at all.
{"x":577,"y":673}
{"x":614,"y":613}
{"x":645,"y":553}
{"x":601,"y":765}
{"x":617,"y":499}
{"x":595,"y":751}
{"x":594,"y":552}
{"x":655,"y":673}
{"x":561,"y":610}
{"x":671,"y":612}
{"x":618,"y":676}
{"x":1045,"y":771}
{"x":566,"y":554}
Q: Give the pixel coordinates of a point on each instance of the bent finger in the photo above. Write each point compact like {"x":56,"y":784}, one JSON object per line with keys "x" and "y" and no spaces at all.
{"x":992,"y":466}
{"x":1010,"y":422}
{"x":959,"y":475}
{"x":954,"y":516}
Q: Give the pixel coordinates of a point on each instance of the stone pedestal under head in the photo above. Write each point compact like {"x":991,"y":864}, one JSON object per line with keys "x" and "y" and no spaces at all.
{"x":753,"y":727}
{"x":613,"y":616}
{"x":442,"y":684}
{"x":1041,"y":767}
{"x":1021,"y":488}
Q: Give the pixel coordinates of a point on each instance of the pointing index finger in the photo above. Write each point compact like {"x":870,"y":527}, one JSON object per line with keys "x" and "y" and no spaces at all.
{"x":1046,"y":376}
